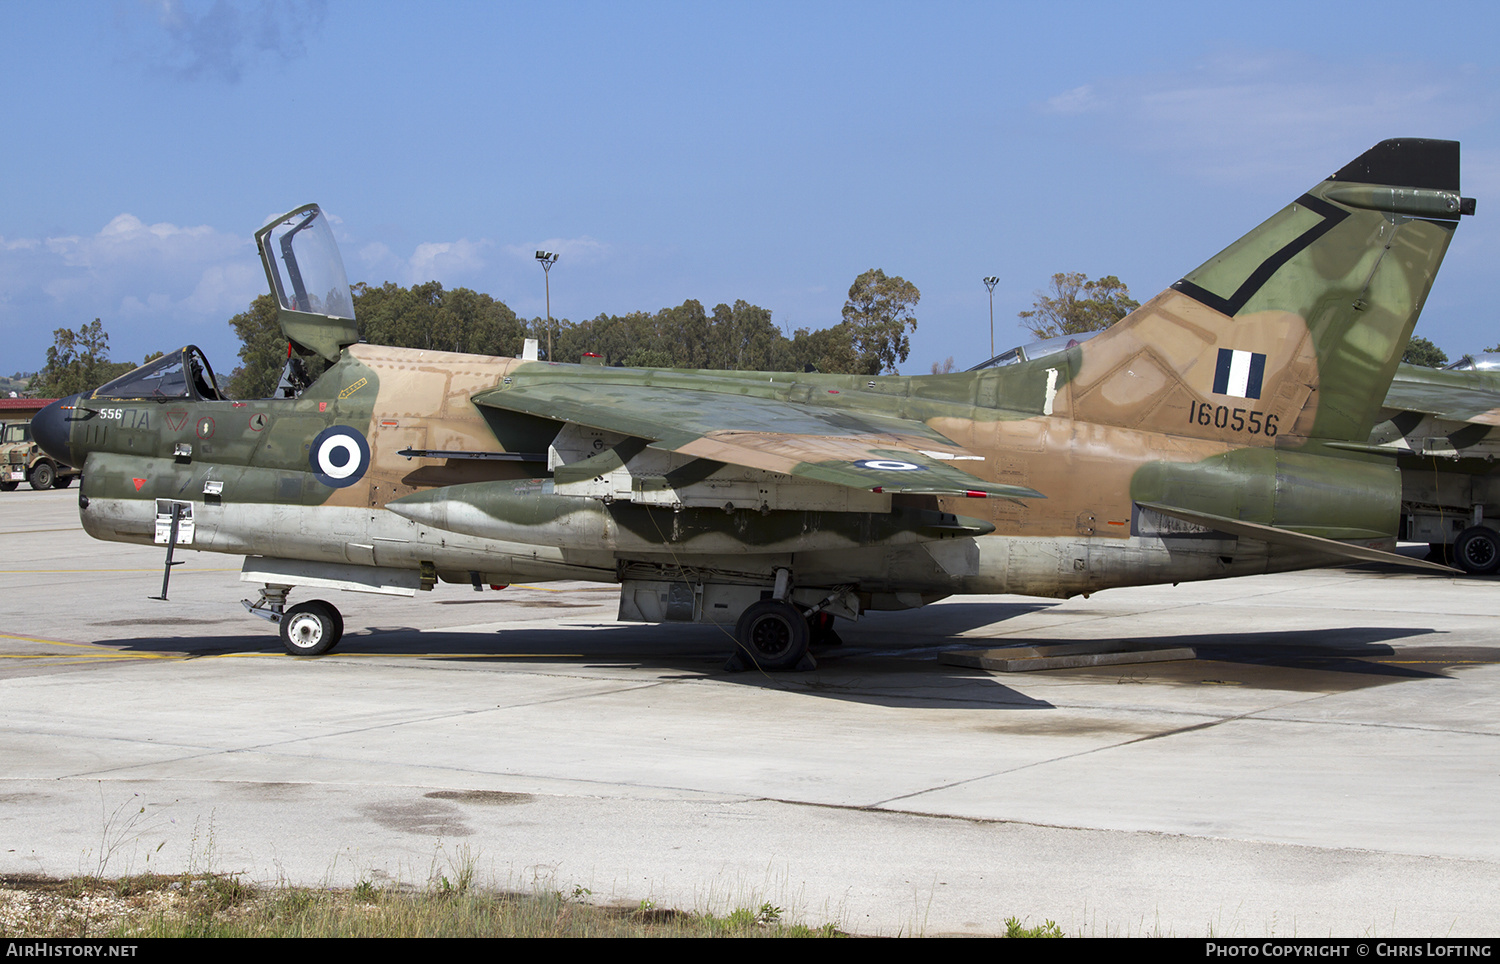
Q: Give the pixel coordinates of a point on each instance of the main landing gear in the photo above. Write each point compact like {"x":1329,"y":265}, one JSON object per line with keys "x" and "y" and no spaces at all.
{"x":1477,"y":550}
{"x":774,"y":634}
{"x":311,"y":628}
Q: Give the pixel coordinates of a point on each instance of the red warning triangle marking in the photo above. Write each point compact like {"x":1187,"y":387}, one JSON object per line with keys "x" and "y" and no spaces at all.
{"x":138,"y":483}
{"x":176,"y":420}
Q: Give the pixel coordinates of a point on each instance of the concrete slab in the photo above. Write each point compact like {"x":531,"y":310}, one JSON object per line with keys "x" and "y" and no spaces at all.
{"x":1326,"y":766}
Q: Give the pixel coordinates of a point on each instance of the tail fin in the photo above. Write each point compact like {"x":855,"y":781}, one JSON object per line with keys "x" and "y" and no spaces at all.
{"x":1295,"y":330}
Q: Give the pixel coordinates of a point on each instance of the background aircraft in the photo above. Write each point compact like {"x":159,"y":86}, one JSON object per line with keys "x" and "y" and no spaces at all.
{"x":1221,"y":429}
{"x":1445,"y":425}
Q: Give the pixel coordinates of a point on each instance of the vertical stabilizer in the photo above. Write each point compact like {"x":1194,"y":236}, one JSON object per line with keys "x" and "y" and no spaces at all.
{"x":1295,"y":330}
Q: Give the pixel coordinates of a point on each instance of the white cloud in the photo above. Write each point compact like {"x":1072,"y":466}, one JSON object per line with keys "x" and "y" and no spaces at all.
{"x":1235,"y":117}
{"x":437,"y":260}
{"x":1079,"y":100}
{"x":222,"y":39}
{"x":146,"y":282}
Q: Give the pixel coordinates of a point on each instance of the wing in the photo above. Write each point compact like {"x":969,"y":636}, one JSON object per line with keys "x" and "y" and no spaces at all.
{"x":857,"y":449}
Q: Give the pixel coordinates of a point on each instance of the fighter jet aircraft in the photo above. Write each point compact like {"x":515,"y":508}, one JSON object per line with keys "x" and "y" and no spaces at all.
{"x":1219,"y":430}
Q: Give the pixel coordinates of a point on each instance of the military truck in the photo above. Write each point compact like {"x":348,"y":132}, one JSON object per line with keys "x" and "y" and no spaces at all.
{"x":21,"y":460}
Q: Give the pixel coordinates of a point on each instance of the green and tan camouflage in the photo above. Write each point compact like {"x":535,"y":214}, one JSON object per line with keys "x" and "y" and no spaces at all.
{"x":1221,"y":429}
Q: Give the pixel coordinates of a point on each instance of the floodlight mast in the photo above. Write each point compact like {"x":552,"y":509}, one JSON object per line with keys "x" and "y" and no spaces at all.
{"x":548,"y":259}
{"x":990,"y":284}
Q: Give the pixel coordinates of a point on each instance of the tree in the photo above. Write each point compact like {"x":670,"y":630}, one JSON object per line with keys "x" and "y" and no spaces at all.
{"x":78,"y":361}
{"x":738,"y":336}
{"x":879,"y":316}
{"x":262,"y":350}
{"x":1420,"y":351}
{"x":1078,"y":305}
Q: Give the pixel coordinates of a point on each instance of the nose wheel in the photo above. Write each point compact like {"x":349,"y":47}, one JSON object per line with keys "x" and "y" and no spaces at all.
{"x":311,"y":628}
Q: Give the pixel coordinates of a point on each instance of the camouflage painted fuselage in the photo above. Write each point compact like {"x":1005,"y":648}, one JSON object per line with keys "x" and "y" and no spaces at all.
{"x":1221,"y":429}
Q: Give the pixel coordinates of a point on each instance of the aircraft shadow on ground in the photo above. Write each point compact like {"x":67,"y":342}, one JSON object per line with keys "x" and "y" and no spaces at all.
{"x":1317,"y":660}
{"x":603,"y":640}
{"x":894,"y":665}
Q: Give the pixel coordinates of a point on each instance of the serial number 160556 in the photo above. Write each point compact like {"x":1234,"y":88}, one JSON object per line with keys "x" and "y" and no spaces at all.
{"x":1238,"y":419}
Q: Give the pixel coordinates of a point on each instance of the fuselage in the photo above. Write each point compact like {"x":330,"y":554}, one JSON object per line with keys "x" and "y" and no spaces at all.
{"x":250,"y":472}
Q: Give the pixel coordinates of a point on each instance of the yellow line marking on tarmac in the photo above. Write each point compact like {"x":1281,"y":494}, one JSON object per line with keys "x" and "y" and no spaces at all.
{"x":181,"y":572}
{"x":455,"y":655}
{"x":1444,"y":662}
{"x":27,"y":532}
{"x":101,"y":653}
{"x":92,"y":656}
{"x":38,"y":639}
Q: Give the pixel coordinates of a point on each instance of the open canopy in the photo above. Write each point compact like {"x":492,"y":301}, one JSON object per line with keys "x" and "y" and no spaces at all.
{"x":307,"y":277}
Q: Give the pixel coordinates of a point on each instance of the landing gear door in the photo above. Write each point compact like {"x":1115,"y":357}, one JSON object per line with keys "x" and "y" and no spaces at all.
{"x":307,"y":277}
{"x":185,"y":525}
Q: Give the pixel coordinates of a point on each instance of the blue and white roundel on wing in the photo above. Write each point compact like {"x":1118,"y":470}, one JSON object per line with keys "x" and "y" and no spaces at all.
{"x":339,"y":456}
{"x":887,"y":465}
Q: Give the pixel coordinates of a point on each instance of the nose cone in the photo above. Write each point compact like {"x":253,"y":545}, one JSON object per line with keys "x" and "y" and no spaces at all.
{"x":50,"y":429}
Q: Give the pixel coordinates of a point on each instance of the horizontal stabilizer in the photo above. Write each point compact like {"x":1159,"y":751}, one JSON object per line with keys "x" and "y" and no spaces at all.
{"x":1292,"y":539}
{"x":1455,"y":396}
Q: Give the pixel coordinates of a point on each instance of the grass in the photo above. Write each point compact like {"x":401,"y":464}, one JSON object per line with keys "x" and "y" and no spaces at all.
{"x":216,"y":905}
{"x":1014,"y":928}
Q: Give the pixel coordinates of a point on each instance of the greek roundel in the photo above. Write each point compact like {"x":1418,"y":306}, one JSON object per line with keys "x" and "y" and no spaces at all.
{"x":339,"y":456}
{"x":887,"y":465}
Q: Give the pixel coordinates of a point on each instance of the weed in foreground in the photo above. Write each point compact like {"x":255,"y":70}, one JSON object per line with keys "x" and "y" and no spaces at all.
{"x":1013,"y":928}
{"x":209,"y":905}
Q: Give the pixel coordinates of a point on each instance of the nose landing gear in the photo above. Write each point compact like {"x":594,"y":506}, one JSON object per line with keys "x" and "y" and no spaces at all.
{"x":311,"y":628}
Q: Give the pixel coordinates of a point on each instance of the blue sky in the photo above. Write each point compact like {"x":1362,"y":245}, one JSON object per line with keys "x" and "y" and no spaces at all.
{"x":715,"y":151}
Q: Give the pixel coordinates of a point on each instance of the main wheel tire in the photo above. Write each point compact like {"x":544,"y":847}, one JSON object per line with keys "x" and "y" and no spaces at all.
{"x":8,"y":486}
{"x":41,"y":476}
{"x":62,"y":481}
{"x":1477,"y":550}
{"x":773,"y":635}
{"x":338,"y":625}
{"x":311,"y":628}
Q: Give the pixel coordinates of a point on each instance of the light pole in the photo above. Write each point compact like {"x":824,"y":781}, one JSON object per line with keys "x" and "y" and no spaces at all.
{"x":990,"y":284}
{"x":548,"y":259}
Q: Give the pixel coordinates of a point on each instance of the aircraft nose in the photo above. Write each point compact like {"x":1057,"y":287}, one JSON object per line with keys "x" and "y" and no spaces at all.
{"x":50,"y":429}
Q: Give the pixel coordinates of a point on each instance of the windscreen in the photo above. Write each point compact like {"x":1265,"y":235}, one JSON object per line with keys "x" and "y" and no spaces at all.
{"x":179,"y":374}
{"x":166,"y":377}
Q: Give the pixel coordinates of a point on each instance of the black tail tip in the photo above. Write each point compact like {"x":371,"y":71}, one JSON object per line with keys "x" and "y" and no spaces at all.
{"x":1406,"y":162}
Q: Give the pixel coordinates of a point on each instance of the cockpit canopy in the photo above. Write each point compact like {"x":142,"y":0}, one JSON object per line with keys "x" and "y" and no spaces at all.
{"x":307,"y":272}
{"x":307,"y":277}
{"x":180,"y":374}
{"x":1035,"y":350}
{"x":1480,"y":362}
